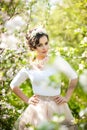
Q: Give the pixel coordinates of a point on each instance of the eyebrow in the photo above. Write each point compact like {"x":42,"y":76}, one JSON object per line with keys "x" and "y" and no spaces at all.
{"x":42,"y":43}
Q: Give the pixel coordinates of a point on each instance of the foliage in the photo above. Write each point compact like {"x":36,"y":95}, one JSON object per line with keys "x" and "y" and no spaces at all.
{"x":66,"y":25}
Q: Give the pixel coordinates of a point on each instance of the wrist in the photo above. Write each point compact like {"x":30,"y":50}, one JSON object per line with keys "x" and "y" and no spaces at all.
{"x":67,"y":98}
{"x":27,"y":101}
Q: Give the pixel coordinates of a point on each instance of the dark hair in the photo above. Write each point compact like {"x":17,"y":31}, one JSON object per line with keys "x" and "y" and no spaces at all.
{"x":33,"y":41}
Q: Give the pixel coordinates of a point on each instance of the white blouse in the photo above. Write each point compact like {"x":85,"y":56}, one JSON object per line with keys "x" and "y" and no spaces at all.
{"x":47,"y":81}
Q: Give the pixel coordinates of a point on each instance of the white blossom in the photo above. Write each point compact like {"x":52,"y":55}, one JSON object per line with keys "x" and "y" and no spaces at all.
{"x":10,"y":73}
{"x":81,"y":66}
{"x":3,"y":45}
{"x":84,"y":40}
{"x":58,"y":119}
{"x":15,"y":24}
{"x":83,"y":112}
{"x":77,"y":30}
{"x":63,"y":127}
{"x":3,"y":92}
{"x":83,"y":80}
{"x":4,"y":16}
{"x":8,"y":41}
{"x":84,"y":54}
{"x":28,"y":0}
{"x":60,"y":2}
{"x":28,"y":12}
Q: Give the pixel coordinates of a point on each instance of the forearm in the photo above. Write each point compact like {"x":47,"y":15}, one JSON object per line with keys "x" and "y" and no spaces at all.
{"x":20,"y":94}
{"x":71,"y":88}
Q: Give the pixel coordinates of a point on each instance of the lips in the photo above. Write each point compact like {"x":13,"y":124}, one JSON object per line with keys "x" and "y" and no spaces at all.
{"x":44,"y":51}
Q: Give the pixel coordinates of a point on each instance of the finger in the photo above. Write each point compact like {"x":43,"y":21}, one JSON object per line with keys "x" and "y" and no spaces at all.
{"x":35,"y":95}
{"x":63,"y":100}
{"x":36,"y":99}
{"x":56,"y":97}
{"x":33,"y":102}
{"x":60,"y":100}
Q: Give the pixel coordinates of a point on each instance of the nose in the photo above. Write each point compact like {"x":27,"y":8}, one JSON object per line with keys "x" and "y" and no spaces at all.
{"x":44,"y":47}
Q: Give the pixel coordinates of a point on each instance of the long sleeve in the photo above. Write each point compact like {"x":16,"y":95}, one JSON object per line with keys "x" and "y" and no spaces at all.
{"x":19,"y":78}
{"x":63,"y":66}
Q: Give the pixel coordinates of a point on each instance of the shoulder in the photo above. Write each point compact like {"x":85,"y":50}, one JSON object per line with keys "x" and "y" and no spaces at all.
{"x":51,"y":58}
{"x":60,"y":59}
{"x":23,"y":71}
{"x":56,"y":58}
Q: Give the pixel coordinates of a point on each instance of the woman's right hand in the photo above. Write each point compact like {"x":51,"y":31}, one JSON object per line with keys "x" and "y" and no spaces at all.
{"x":33,"y":100}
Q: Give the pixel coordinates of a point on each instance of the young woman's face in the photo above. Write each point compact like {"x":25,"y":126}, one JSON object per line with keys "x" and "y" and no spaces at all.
{"x":42,"y":47}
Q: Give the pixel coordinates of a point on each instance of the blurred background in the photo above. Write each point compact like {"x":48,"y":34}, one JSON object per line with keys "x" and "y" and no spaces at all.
{"x":66,"y":24}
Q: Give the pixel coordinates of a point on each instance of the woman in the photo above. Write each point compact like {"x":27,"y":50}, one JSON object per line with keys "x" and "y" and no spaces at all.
{"x":44,"y":75}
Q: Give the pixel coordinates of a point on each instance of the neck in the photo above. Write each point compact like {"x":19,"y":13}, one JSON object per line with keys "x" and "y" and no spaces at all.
{"x":41,"y":57}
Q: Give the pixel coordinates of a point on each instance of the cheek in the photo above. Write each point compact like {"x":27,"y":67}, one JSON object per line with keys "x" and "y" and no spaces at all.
{"x":39,"y":49}
{"x":48,"y":47}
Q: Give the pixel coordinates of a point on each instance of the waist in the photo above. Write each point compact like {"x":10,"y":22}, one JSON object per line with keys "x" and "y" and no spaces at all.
{"x":42,"y":97}
{"x":46,"y":91}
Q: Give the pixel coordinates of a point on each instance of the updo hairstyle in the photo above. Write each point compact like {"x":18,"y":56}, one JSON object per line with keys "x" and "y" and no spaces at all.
{"x":33,"y":37}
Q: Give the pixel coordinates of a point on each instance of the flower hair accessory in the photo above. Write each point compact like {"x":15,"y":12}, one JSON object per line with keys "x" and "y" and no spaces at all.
{"x":39,"y":30}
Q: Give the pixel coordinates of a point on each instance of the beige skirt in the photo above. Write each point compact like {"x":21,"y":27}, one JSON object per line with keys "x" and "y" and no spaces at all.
{"x":42,"y":112}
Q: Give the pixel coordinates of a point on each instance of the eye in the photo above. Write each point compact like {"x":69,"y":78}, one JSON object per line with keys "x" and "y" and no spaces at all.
{"x":46,"y":43}
{"x":39,"y":45}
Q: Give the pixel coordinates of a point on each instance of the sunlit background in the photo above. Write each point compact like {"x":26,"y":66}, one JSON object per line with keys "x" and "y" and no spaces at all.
{"x":66,"y":24}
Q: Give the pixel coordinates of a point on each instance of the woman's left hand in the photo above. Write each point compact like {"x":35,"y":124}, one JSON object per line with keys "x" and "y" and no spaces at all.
{"x":59,"y":99}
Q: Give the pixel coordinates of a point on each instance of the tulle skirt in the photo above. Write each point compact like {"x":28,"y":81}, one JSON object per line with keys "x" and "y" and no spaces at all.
{"x":42,"y":112}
